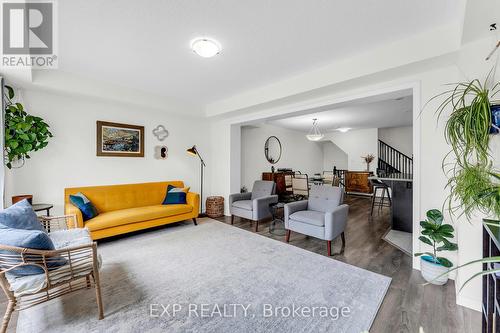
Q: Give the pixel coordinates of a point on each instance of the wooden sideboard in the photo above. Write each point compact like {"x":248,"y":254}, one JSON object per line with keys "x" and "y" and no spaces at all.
{"x":279,"y":179}
{"x":357,"y":181}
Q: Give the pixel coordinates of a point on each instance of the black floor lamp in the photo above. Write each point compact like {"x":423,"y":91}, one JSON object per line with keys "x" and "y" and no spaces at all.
{"x":194,"y":151}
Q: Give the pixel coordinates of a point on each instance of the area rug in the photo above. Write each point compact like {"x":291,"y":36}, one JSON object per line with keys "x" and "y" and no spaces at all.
{"x":400,"y":239}
{"x":215,"y":278}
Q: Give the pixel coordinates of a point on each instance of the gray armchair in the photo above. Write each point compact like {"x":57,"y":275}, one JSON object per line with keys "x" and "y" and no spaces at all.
{"x":253,"y":205}
{"x":322,"y":216}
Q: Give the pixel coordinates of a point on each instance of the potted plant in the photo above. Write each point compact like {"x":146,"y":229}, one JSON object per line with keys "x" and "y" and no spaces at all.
{"x":24,"y":133}
{"x":436,"y":234}
{"x":473,"y":181}
{"x":368,"y":159}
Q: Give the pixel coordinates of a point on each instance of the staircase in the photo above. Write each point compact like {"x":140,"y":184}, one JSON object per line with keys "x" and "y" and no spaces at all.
{"x":392,"y":161}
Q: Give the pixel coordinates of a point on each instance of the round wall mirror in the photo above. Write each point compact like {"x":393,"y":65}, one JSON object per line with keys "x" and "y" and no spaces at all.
{"x":272,"y":149}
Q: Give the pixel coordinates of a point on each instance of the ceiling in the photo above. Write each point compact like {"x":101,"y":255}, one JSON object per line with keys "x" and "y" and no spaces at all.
{"x":356,"y":115}
{"x":145,"y":44}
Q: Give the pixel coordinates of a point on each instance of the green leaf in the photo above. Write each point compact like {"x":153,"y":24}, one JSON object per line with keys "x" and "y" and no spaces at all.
{"x":20,"y":106}
{"x":425,"y":240}
{"x":445,"y":262}
{"x":13,"y":144}
{"x":446,"y":228}
{"x":435,"y":216}
{"x":10,"y":92}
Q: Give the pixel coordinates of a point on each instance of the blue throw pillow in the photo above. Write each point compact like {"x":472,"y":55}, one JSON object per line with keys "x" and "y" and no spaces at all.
{"x":86,"y":207}
{"x":32,"y":239}
{"x":175,"y":195}
{"x":20,"y":216}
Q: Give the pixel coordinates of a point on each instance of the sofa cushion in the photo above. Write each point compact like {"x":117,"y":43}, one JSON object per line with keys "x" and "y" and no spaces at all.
{"x":175,"y":195}
{"x":84,"y":205}
{"x":262,"y":188}
{"x":310,"y":217}
{"x":325,"y":198}
{"x":31,"y":239}
{"x":243,"y":204}
{"x":132,"y":215}
{"x":20,"y":216}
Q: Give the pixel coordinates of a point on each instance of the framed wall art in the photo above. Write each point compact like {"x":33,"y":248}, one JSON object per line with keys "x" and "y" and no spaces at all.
{"x":120,"y":140}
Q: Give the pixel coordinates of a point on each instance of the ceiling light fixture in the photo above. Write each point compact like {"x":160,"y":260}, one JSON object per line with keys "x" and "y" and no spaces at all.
{"x":343,"y":129}
{"x":205,"y":47}
{"x":314,"y":133}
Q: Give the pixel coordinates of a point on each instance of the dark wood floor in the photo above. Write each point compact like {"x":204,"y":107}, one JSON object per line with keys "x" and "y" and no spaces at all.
{"x":408,"y":304}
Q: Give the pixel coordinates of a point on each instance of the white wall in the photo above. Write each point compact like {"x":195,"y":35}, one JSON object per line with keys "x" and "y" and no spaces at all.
{"x":356,"y":144}
{"x":298,"y":153}
{"x":400,"y":138}
{"x":70,"y":158}
{"x":333,"y":156}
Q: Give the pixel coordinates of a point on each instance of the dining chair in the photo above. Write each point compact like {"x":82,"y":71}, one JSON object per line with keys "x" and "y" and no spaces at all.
{"x":328,"y":177}
{"x":300,"y":186}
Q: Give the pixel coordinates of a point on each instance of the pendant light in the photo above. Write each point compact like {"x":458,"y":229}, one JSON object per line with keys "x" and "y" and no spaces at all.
{"x":314,"y":133}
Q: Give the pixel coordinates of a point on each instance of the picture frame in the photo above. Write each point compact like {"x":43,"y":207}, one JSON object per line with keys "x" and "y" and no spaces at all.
{"x":119,"y":140}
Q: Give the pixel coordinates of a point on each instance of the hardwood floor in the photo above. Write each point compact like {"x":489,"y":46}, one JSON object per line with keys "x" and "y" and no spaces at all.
{"x":408,"y":305}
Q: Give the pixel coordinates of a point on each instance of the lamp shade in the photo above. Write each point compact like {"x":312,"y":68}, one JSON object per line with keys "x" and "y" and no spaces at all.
{"x":192,"y":151}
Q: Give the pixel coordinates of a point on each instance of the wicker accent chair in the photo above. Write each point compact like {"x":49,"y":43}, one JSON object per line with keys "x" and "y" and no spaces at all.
{"x":80,"y":270}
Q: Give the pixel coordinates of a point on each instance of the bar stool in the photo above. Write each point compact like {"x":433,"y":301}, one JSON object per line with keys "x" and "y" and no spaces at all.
{"x":378,"y":184}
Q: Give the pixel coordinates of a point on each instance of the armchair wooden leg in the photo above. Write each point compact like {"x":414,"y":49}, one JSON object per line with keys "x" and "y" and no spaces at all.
{"x":287,"y":237}
{"x":342,"y":235}
{"x":8,"y":315}
{"x":256,"y":225}
{"x":97,"y":282}
{"x":194,"y":221}
{"x":329,"y":246}
{"x":11,"y":304}
{"x":232,"y":219}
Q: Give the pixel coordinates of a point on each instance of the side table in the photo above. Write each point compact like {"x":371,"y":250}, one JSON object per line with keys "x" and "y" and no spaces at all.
{"x":43,"y":207}
{"x":277,"y":226}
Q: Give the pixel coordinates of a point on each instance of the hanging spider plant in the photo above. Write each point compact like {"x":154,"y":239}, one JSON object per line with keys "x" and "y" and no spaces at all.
{"x":473,"y":182}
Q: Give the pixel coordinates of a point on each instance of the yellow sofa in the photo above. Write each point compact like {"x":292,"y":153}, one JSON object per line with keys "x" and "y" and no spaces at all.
{"x":130,"y":207}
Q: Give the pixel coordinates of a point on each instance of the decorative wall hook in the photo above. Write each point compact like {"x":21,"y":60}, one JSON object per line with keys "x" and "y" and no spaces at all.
{"x":161,"y":152}
{"x":160,"y":132}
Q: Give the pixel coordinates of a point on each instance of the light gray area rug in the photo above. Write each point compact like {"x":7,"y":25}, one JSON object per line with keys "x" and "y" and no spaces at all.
{"x":218,"y":278}
{"x":400,"y":239}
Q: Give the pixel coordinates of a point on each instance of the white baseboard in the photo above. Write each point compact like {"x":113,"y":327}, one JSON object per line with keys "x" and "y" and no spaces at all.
{"x":469,"y":303}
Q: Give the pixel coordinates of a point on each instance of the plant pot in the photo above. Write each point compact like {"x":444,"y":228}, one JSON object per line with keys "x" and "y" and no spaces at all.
{"x":17,"y":198}
{"x":431,"y":270}
{"x":495,"y":118}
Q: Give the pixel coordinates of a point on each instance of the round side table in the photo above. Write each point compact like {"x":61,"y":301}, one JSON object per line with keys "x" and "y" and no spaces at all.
{"x":277,"y":226}
{"x":43,"y":207}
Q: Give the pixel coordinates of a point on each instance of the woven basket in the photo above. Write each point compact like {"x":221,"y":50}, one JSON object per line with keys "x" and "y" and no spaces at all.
{"x":215,"y":206}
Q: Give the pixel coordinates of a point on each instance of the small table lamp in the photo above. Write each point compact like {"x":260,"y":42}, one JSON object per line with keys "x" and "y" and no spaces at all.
{"x":194,"y":151}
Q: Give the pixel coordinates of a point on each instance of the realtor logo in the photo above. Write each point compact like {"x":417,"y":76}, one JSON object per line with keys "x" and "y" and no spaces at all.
{"x":28,"y":34}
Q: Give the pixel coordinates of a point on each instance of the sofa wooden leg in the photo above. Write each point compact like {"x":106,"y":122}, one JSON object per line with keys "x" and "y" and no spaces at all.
{"x":194,"y":221}
{"x":232,"y":219}
{"x":329,"y":246}
{"x":256,"y":226}
{"x":287,"y":237}
{"x":342,"y":235}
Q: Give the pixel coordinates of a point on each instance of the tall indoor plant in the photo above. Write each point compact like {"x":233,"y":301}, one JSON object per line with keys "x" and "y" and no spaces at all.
{"x":24,"y":133}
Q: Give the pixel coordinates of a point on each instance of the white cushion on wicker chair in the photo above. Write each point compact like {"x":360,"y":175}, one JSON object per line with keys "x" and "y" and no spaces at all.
{"x":25,"y":285}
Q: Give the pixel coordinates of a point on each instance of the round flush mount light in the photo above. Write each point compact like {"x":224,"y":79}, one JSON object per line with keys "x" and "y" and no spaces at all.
{"x":205,"y":47}
{"x":343,"y":129}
